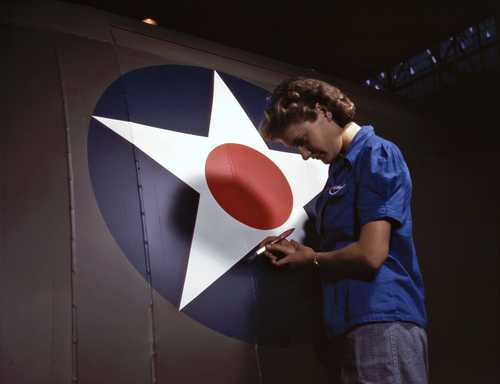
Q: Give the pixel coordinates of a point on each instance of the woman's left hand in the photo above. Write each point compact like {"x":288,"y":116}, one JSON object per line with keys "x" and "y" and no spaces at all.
{"x":293,"y":254}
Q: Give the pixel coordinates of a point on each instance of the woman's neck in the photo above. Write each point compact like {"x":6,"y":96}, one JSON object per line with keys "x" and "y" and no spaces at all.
{"x":350,"y":131}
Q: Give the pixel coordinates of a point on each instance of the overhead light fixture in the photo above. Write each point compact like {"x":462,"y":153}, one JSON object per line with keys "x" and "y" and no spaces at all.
{"x":150,"y":21}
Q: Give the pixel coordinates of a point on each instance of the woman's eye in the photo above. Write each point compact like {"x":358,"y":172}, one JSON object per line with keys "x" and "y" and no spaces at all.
{"x":299,"y":142}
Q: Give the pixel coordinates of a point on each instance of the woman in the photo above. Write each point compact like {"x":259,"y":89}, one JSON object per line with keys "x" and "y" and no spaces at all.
{"x":373,"y":295}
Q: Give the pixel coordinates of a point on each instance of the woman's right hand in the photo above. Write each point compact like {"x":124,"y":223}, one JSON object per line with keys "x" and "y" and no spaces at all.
{"x":274,"y":256}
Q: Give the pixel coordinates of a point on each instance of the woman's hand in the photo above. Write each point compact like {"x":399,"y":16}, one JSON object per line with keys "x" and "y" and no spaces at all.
{"x":289,"y":253}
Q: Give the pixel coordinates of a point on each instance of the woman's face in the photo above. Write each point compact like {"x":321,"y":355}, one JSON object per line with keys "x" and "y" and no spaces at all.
{"x":320,"y":139}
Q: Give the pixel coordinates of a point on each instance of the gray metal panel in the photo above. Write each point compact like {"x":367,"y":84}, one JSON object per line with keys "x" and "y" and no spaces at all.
{"x":114,"y":328}
{"x":176,"y":53}
{"x":292,"y":364}
{"x":188,"y":352}
{"x":5,"y":40}
{"x":135,"y":59}
{"x":61,"y":16}
{"x":36,"y":306}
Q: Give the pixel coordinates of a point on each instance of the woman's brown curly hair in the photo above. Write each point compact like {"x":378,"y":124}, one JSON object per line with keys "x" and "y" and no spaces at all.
{"x":294,"y":100}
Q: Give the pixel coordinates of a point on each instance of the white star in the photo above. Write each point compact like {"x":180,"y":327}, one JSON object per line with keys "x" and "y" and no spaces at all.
{"x":219,"y":240}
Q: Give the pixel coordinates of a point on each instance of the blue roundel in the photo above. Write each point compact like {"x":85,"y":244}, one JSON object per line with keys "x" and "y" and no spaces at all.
{"x":151,"y":213}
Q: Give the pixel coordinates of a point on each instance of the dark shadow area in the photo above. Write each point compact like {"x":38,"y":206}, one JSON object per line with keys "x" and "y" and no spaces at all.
{"x":457,"y":227}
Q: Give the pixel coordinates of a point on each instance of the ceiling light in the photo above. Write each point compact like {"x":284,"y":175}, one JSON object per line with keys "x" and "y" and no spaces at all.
{"x":150,"y":21}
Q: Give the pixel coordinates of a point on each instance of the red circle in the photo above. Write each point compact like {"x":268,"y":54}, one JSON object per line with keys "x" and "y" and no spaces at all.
{"x":248,"y":186}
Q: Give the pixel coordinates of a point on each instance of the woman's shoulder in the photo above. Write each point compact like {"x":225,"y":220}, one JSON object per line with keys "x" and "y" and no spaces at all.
{"x":379,"y":147}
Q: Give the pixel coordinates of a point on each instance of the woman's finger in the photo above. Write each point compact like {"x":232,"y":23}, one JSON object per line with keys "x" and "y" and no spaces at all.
{"x":267,"y":240}
{"x":270,"y":256}
{"x":283,"y":261}
{"x":279,"y":248}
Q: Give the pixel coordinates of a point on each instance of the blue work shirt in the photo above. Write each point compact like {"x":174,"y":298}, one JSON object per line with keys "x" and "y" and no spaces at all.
{"x":370,"y":182}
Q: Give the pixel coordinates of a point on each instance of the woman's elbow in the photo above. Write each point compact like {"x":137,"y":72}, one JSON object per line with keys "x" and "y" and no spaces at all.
{"x":375,"y":259}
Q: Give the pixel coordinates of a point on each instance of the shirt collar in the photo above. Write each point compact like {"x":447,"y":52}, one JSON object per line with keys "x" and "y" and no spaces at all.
{"x":358,"y":142}
{"x":356,"y":145}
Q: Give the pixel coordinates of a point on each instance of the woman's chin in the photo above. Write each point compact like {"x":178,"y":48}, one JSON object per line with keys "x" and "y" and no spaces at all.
{"x":325,"y":158}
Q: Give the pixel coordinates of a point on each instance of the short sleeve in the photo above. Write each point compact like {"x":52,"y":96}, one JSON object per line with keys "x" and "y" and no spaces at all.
{"x":384,"y":185}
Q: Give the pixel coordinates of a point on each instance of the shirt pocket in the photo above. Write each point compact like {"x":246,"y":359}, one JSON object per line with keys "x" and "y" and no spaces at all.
{"x":337,"y":217}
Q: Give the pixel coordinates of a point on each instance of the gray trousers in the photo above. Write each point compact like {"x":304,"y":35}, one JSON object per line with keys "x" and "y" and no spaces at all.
{"x":380,"y":353}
